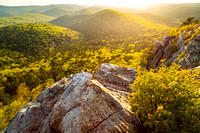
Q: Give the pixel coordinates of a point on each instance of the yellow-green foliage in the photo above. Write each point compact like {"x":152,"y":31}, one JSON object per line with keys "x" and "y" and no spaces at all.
{"x":110,"y":24}
{"x":182,"y":55}
{"x":36,"y":39}
{"x":197,"y":31}
{"x":173,"y":32}
{"x":56,"y":12}
{"x":188,"y":27}
{"x":25,"y":18}
{"x":168,"y":100}
{"x":188,"y":36}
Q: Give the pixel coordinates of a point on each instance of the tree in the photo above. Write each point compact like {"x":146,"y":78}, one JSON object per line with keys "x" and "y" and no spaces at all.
{"x":188,"y":21}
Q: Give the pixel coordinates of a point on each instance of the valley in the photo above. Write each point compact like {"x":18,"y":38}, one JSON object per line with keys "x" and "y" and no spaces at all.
{"x":40,"y":45}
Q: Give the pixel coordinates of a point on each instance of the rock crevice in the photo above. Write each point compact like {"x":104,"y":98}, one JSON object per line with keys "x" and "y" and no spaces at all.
{"x":101,"y":122}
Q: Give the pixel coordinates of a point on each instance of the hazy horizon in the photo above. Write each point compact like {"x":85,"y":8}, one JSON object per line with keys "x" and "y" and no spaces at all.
{"x":125,"y":3}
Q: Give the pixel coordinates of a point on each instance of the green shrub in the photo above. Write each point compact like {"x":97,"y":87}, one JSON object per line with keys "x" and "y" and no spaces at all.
{"x":173,"y":32}
{"x":168,"y":100}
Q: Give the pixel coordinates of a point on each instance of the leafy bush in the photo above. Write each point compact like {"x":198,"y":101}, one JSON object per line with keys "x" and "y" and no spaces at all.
{"x":168,"y":100}
{"x":173,"y":32}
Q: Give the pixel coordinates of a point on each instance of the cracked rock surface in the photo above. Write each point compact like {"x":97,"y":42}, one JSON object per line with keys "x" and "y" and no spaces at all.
{"x":82,"y":103}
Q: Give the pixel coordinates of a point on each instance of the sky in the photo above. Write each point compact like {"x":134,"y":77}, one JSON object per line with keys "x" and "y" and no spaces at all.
{"x":124,"y":3}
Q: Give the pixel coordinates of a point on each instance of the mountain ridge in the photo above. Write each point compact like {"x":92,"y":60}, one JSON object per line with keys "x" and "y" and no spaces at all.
{"x":108,"y":22}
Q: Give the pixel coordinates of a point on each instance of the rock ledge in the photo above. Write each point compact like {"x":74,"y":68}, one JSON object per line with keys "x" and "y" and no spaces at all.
{"x":82,"y":103}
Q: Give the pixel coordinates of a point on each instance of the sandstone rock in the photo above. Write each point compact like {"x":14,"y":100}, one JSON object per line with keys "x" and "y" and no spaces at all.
{"x":114,"y":77}
{"x":193,"y":53}
{"x":197,"y":38}
{"x":167,"y":53}
{"x":162,"y":51}
{"x":27,"y":120}
{"x":181,"y":40}
{"x":165,"y":40}
{"x":156,"y":59}
{"x":157,"y":44}
{"x":82,"y":103}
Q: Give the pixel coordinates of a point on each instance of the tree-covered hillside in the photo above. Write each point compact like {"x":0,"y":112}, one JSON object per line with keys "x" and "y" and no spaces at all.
{"x":57,"y":12}
{"x":68,"y":20}
{"x":177,"y":11}
{"x":27,"y":9}
{"x":111,"y":23}
{"x":25,"y":18}
{"x":37,"y":39}
{"x":172,"y":22}
{"x":115,"y":28}
{"x":6,"y":14}
{"x":84,"y":11}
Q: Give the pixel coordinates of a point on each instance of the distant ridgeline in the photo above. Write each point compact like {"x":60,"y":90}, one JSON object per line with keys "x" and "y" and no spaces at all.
{"x":111,"y":24}
{"x":108,"y":28}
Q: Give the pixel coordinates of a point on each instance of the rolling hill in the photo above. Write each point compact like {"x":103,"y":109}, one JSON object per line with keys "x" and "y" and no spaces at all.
{"x":57,"y":12}
{"x":36,"y":39}
{"x":84,"y":12}
{"x":89,"y":10}
{"x":6,"y":14}
{"x":68,"y":20}
{"x":172,"y":22}
{"x":177,"y":11}
{"x":109,"y":23}
{"x":34,"y":11}
{"x":25,"y":18}
{"x":28,"y":9}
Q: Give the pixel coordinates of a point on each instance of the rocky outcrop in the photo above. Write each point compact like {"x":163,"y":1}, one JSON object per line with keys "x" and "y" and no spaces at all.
{"x":187,"y":52}
{"x":82,"y":103}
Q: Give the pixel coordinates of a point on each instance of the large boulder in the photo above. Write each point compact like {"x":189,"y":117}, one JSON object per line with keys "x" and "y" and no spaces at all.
{"x":82,"y":103}
{"x":156,"y":59}
{"x":165,"y":40}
